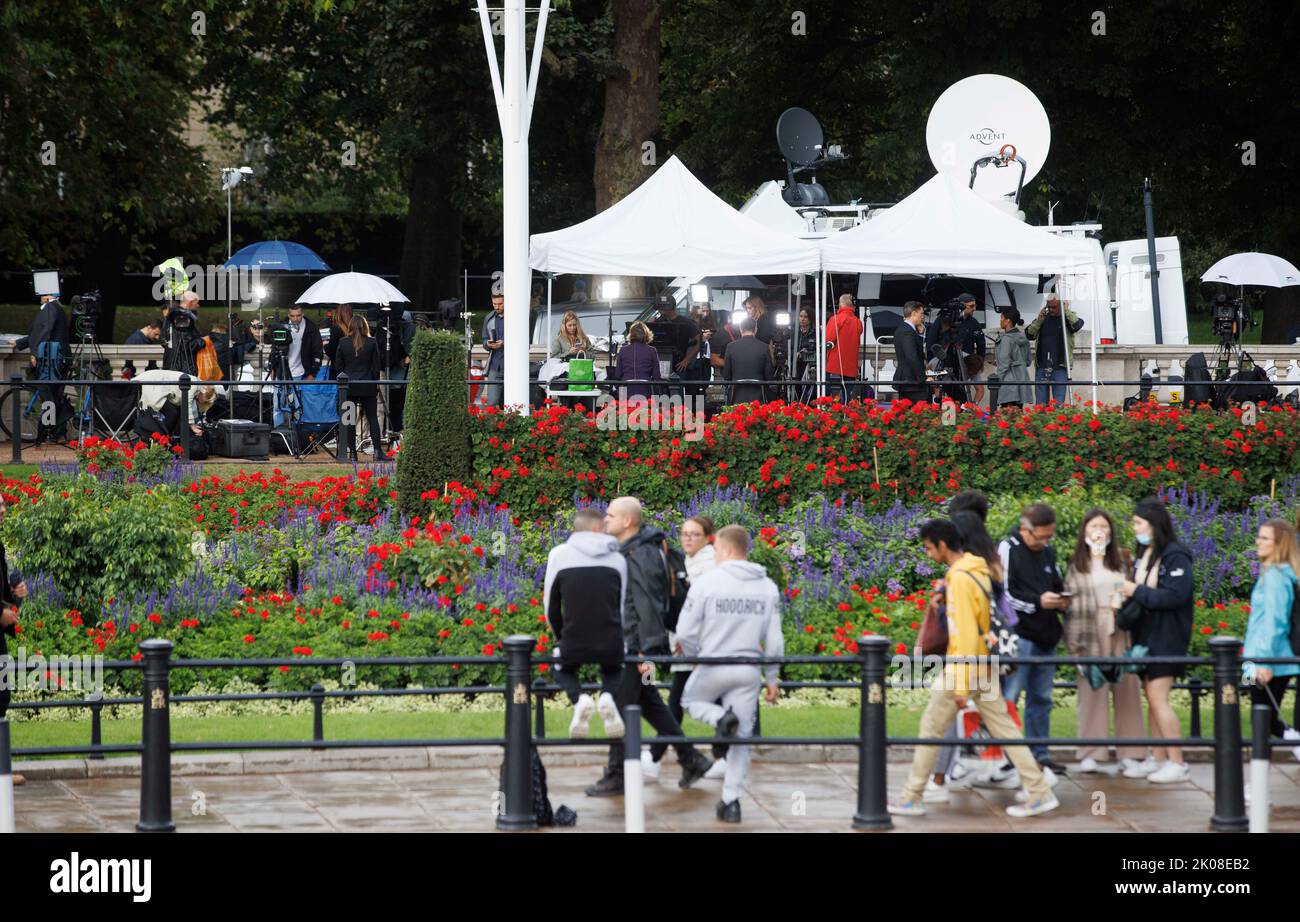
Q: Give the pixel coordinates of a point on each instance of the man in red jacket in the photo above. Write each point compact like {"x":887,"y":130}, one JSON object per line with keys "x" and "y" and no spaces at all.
{"x":843,"y":338}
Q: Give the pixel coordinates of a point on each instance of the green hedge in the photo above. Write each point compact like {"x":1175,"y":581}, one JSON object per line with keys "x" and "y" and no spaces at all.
{"x":435,"y":438}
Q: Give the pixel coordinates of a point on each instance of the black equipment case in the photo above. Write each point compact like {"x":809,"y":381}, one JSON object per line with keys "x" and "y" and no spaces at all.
{"x":243,"y":438}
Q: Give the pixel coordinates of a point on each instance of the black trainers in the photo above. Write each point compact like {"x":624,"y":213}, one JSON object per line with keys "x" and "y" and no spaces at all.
{"x":729,"y":812}
{"x":607,"y":786}
{"x":728,"y":726}
{"x":693,"y":770}
{"x":1056,"y":767}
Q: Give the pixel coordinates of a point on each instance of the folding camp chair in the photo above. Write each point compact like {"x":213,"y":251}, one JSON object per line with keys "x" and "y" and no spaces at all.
{"x":115,"y":409}
{"x":318,"y":421}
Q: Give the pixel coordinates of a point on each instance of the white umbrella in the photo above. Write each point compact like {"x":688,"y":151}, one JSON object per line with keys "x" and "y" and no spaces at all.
{"x":1253,"y":269}
{"x":352,"y":288}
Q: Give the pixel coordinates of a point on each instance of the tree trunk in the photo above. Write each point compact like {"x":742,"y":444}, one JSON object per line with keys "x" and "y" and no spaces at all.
{"x":431,"y":245}
{"x":1281,"y":312}
{"x":102,"y":270}
{"x":631,"y":108}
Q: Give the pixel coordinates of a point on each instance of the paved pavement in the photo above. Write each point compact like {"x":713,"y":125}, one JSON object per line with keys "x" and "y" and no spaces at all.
{"x":796,"y":796}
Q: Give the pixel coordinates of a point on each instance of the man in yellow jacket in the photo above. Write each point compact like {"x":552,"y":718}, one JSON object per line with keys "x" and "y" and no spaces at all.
{"x":969,"y":594}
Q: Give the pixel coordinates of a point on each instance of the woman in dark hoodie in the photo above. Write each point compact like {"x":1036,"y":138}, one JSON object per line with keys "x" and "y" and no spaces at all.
{"x":1162,"y":584}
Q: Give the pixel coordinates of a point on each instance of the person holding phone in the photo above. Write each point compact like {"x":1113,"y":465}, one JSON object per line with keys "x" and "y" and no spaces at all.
{"x":1034,"y":584}
{"x":1093,"y":578}
{"x":493,"y":335}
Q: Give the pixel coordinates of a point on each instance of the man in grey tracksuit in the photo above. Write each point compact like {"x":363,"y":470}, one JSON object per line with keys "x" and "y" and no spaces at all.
{"x":734,"y":610}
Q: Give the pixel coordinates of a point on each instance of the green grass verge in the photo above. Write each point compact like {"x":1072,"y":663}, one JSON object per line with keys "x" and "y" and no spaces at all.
{"x":903,"y":721}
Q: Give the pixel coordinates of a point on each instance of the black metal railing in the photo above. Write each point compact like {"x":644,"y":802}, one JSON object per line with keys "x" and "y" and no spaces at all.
{"x":525,"y":727}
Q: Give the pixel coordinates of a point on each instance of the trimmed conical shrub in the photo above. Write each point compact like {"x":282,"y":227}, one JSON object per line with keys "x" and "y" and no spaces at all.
{"x":435,"y":434}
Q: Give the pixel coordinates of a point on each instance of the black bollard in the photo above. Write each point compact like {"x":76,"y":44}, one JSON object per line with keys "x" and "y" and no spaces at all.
{"x":318,"y":714}
{"x":345,"y":436}
{"x":518,"y":780}
{"x":96,"y":725}
{"x":539,"y":729}
{"x":633,"y":783}
{"x":872,"y":786}
{"x":1229,"y":798}
{"x":16,"y":421}
{"x":1196,"y":688}
{"x":185,"y":417}
{"x":156,"y":762}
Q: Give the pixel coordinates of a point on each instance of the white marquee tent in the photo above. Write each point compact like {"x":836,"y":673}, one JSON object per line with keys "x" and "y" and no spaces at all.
{"x":671,"y":225}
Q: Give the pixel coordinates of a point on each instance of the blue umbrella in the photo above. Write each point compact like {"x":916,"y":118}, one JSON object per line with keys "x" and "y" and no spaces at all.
{"x":277,"y":256}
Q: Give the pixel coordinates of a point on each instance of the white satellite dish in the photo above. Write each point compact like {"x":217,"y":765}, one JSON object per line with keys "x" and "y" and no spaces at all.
{"x":977,"y":117}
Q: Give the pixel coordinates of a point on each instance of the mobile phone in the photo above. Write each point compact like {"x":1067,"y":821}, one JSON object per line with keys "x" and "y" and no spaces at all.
{"x":1066,"y":594}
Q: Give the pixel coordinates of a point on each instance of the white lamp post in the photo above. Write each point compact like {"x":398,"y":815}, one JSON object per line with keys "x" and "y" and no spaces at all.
{"x":514,"y":99}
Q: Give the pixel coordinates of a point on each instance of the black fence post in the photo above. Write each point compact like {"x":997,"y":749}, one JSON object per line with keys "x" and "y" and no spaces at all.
{"x":318,"y":713}
{"x":185,"y":416}
{"x":1229,"y":798}
{"x":96,"y":725}
{"x":345,"y":436}
{"x":1196,"y":688}
{"x":633,"y":783}
{"x":16,"y":421}
{"x":518,"y":774}
{"x":156,"y":761}
{"x":872,"y":785}
{"x":539,"y":725}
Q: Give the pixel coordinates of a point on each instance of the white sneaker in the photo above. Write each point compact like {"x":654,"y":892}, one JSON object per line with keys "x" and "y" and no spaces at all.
{"x":1088,"y":765}
{"x":609,"y":714}
{"x":1034,"y":808}
{"x":717,"y":770}
{"x":1135,"y":769}
{"x":649,"y":767}
{"x":935,"y":793}
{"x":582,"y":713}
{"x":959,"y":777}
{"x":1291,"y":733}
{"x":1170,"y":773}
{"x":1050,"y":777}
{"x":1000,"y":777}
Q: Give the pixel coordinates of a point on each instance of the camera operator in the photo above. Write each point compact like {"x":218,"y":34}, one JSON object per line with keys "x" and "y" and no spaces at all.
{"x":48,"y":343}
{"x":1054,"y":340}
{"x":970,"y":331}
{"x":147,"y":335}
{"x":805,"y":345}
{"x":181,"y":340}
{"x":160,"y":405}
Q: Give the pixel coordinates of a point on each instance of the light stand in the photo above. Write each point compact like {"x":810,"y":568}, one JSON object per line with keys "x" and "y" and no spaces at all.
{"x":610,"y":290}
{"x":231,"y":177}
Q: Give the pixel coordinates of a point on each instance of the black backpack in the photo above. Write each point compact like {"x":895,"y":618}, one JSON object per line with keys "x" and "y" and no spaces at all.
{"x":678,"y":584}
{"x":1295,"y":620}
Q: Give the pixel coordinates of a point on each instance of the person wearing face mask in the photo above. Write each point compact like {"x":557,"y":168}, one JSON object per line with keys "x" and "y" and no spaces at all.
{"x":1094,"y":575}
{"x":697,"y":544}
{"x":1163,"y":585}
{"x":1034,"y":585}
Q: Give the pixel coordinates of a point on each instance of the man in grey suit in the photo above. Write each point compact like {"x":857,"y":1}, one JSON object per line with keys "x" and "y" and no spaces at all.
{"x":748,"y":358}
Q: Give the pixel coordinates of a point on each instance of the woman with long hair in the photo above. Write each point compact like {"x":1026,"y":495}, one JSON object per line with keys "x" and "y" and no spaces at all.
{"x":638,"y":360}
{"x":1268,"y":632}
{"x":1014,"y":384}
{"x":358,"y":358}
{"x":1094,"y":576}
{"x":1162,"y":584}
{"x":570,"y":339}
{"x":340,"y":329}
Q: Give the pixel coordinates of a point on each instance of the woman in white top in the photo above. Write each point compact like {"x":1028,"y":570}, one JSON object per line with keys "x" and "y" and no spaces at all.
{"x":697,"y":542}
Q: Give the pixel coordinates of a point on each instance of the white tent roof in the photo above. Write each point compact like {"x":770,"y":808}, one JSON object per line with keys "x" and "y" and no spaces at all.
{"x":944,"y":227}
{"x":671,"y":225}
{"x":768,"y":208}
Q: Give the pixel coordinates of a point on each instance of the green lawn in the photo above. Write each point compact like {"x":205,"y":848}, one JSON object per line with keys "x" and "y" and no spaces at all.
{"x":804,"y":721}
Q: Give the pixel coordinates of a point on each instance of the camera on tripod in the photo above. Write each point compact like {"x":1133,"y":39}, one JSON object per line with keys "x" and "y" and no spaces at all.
{"x":85,"y":313}
{"x":950,"y":312}
{"x":278,"y":335}
{"x":1229,"y":317}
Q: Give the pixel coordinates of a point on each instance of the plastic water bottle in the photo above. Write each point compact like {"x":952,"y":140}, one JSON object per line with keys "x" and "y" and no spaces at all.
{"x":1175,"y":383}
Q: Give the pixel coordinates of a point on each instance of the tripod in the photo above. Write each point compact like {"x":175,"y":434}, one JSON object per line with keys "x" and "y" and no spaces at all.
{"x":87,"y":356}
{"x":287,"y":392}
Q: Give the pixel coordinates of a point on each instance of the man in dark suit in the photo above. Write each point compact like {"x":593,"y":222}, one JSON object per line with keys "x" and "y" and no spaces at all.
{"x":909,"y":355}
{"x":748,"y":359}
{"x":305,"y":349}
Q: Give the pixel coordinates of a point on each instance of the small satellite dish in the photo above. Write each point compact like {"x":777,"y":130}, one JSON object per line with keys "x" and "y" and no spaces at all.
{"x":800,"y":137}
{"x":975,"y":118}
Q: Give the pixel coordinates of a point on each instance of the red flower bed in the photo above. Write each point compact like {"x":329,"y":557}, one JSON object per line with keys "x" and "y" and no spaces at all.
{"x":253,"y":498}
